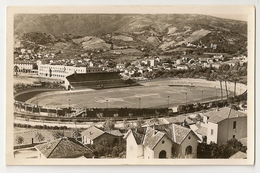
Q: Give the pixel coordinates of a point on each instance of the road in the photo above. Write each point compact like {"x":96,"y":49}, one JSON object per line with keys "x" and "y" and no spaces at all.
{"x":119,"y":124}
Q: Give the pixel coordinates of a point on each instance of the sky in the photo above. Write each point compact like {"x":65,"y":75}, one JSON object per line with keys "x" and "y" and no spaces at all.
{"x":241,"y":17}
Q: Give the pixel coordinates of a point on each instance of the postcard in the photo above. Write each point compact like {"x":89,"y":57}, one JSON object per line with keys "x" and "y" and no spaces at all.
{"x":130,"y":85}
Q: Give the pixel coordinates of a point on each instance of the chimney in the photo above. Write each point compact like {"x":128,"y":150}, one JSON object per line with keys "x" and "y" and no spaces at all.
{"x":154,"y":131}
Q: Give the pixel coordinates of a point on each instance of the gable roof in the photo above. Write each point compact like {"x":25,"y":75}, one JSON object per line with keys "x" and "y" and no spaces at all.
{"x":222,"y":114}
{"x":63,"y":148}
{"x":152,"y":138}
{"x":180,"y":133}
{"x":176,"y":119}
{"x":92,"y":132}
{"x":139,"y":135}
{"x":152,"y":135}
{"x":114,"y":132}
{"x":202,"y":130}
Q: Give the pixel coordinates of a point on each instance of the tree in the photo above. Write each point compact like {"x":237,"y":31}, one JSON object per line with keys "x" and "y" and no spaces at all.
{"x":100,"y":115}
{"x":126,"y":124}
{"x":154,"y":120}
{"x":139,"y":122}
{"x":115,"y":115}
{"x":58,"y":134}
{"x":59,"y":121}
{"x":39,"y":136}
{"x":220,"y":83}
{"x":42,"y":120}
{"x":109,"y":124}
{"x":225,"y":79}
{"x":234,"y":78}
{"x":76,"y":133}
{"x":16,"y":69}
{"x":75,"y":122}
{"x":226,"y":150}
{"x":19,"y":140}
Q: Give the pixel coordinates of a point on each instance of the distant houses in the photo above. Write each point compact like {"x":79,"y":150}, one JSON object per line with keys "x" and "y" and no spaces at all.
{"x":93,"y":135}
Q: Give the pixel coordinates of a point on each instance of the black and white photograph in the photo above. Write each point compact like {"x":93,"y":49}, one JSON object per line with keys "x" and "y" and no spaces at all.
{"x":136,"y":85}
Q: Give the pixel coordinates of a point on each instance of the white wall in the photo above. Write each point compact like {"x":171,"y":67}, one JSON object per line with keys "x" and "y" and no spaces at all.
{"x":212,"y":137}
{"x":148,"y":153}
{"x":131,"y":147}
{"x":167,"y":146}
{"x":190,"y":140}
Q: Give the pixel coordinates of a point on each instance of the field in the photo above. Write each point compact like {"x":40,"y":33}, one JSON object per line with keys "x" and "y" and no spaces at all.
{"x":151,"y":94}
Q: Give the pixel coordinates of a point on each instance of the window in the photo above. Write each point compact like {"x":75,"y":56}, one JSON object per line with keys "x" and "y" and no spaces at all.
{"x":163,"y":141}
{"x":212,"y":131}
{"x":234,"y":125}
{"x":234,"y":136}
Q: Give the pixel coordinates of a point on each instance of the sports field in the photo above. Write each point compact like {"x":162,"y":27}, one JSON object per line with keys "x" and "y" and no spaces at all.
{"x":152,"y":94}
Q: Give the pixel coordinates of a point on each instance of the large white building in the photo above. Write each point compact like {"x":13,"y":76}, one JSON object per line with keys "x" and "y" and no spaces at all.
{"x":58,"y":71}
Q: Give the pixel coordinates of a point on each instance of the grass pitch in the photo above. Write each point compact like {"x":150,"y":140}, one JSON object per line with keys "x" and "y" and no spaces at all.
{"x":153,"y":94}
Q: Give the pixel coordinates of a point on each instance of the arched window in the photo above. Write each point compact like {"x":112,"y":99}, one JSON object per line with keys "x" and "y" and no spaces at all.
{"x":188,"y":150}
{"x":162,"y":154}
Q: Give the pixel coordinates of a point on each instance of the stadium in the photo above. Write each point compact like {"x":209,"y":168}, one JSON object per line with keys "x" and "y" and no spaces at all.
{"x":151,"y":96}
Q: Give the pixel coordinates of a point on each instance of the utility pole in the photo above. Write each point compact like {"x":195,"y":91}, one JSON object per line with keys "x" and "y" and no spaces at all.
{"x":168,"y":100}
{"x":186,"y":103}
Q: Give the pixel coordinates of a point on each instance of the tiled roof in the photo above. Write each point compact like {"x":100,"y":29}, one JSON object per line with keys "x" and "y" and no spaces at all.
{"x":153,"y":134}
{"x":176,"y":119}
{"x":239,"y":155}
{"x":92,"y":132}
{"x":202,"y":130}
{"x":180,"y":133}
{"x":63,"y":148}
{"x":139,"y":135}
{"x":115,"y":132}
{"x":151,"y":139}
{"x":222,"y":114}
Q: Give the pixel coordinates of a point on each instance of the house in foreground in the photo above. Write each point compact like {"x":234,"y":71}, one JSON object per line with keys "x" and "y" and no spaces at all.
{"x":63,"y":148}
{"x":161,"y":141}
{"x":93,"y":135}
{"x":224,"y":124}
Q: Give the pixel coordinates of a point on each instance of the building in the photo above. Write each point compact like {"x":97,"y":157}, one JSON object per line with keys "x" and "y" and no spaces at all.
{"x":224,"y":124}
{"x":182,"y":67}
{"x":23,"y":66}
{"x":161,"y":141}
{"x":93,"y":135}
{"x":63,"y":148}
{"x":95,"y":80}
{"x":60,"y":71}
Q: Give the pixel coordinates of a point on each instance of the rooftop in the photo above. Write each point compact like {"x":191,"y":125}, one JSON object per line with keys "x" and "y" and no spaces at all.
{"x":216,"y":116}
{"x":63,"y":148}
{"x":92,"y":132}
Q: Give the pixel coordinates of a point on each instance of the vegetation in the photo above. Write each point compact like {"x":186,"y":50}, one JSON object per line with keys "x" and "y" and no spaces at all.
{"x":19,"y":140}
{"x":105,"y":149}
{"x":58,"y":134}
{"x":220,"y":150}
{"x":109,"y":124}
{"x":39,"y":137}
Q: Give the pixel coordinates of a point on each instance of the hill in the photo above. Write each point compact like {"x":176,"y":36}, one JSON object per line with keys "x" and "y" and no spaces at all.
{"x":149,"y":33}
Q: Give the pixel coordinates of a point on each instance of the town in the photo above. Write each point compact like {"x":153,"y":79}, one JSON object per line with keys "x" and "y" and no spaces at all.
{"x":109,"y":96}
